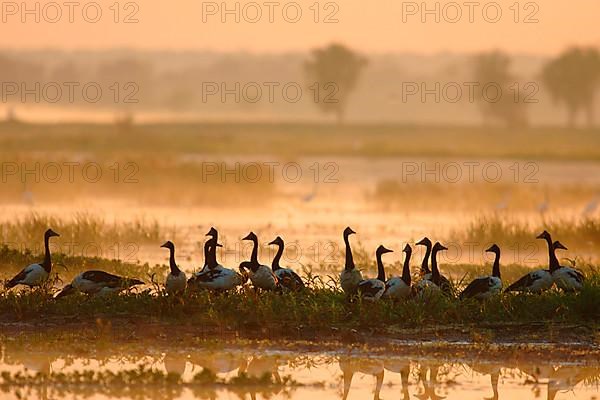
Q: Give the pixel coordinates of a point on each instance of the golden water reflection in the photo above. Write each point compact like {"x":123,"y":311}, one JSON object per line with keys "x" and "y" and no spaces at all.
{"x":271,"y":374}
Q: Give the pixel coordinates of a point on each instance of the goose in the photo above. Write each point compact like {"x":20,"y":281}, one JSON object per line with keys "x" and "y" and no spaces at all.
{"x":214,"y":236}
{"x":215,"y":276}
{"x":436,"y":281}
{"x":98,"y":283}
{"x":287,"y":277}
{"x":566,"y":278}
{"x":350,"y":276}
{"x":372,"y":289}
{"x":35,"y":274}
{"x":539,"y":280}
{"x":399,"y":287}
{"x":176,"y":280}
{"x":262,"y":277}
{"x":425,"y":271}
{"x":485,"y":286}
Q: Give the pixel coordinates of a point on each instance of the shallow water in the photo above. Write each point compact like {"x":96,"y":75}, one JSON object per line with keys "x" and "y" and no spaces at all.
{"x":292,"y":375}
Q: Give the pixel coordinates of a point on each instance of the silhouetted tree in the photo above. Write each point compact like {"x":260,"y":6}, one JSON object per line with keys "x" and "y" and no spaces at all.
{"x":333,"y":73}
{"x":573,"y":79}
{"x":504,"y":101}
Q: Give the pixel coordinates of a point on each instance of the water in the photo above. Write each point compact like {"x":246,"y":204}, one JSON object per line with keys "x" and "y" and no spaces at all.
{"x":287,"y":374}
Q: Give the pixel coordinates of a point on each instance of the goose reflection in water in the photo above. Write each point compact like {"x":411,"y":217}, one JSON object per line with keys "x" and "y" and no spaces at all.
{"x":366,"y":366}
{"x":402,"y":367}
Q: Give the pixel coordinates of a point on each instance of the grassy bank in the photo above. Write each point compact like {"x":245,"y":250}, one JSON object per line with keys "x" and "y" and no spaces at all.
{"x":316,"y":308}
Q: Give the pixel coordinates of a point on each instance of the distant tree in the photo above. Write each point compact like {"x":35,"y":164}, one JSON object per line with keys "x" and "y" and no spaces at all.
{"x":504,"y":103}
{"x":573,"y":79}
{"x":333,"y":73}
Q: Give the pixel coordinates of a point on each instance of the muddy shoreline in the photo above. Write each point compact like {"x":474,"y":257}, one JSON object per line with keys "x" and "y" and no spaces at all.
{"x":567,"y":343}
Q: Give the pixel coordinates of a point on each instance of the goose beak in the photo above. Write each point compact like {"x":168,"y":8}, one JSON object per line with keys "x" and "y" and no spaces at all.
{"x":247,"y":237}
{"x":491,"y":249}
{"x":166,"y":245}
{"x":559,"y":245}
{"x":219,"y":245}
{"x":422,"y":242}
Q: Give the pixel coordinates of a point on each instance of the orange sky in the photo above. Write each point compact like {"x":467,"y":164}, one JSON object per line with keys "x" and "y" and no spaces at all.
{"x":370,"y":26}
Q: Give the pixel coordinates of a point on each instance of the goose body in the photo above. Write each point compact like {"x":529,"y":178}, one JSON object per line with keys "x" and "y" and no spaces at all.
{"x":567,"y":279}
{"x":486,"y":286}
{"x":399,"y":287}
{"x":286,"y":276}
{"x":350,"y":277}
{"x":176,"y":281}
{"x":373,"y":289}
{"x":261,"y":276}
{"x":98,"y":283}
{"x":215,"y":276}
{"x":35,"y":274}
{"x":533,"y":282}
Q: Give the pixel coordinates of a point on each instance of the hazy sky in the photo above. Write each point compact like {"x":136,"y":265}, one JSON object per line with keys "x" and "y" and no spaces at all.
{"x":369,"y":26}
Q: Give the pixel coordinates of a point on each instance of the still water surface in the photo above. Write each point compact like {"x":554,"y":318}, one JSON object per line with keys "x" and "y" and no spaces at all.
{"x":288,"y":375}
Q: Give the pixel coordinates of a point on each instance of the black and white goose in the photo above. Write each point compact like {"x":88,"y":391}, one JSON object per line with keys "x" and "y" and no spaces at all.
{"x":425,"y":271}
{"x":486,"y":286}
{"x":566,"y":278}
{"x":373,"y":289}
{"x":215,"y":276}
{"x":36,"y":274}
{"x":176,"y":280}
{"x":287,"y":277}
{"x":399,"y":287}
{"x":536,"y":281}
{"x":262,"y":276}
{"x":436,"y":282}
{"x":350,"y":276}
{"x":98,"y":283}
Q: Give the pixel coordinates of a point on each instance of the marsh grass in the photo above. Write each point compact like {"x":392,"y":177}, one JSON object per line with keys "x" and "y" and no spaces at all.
{"x":28,"y":230}
{"x":575,"y":233}
{"x":317,"y":308}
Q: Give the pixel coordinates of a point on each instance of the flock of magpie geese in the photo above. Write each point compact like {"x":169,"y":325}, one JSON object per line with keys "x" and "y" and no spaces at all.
{"x":216,"y":277}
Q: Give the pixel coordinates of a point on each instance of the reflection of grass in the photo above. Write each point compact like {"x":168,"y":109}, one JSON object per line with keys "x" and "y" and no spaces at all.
{"x":140,"y":383}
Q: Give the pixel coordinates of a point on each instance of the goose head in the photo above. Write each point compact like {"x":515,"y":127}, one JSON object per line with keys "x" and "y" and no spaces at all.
{"x":251,"y":236}
{"x":348,"y":231}
{"x":382,"y":250}
{"x":424,"y":242}
{"x":67,"y":290}
{"x":277,"y":241}
{"x":439,"y":247}
{"x":493,"y":249}
{"x":213,"y":232}
{"x":544,"y":235}
{"x":50,"y":233}
{"x":407,"y":249}
{"x":168,"y":245}
{"x":558,"y":245}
